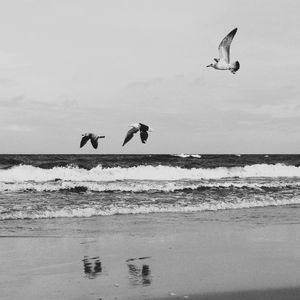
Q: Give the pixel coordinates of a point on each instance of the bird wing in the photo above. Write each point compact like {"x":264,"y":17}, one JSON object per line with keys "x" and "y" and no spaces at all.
{"x":224,"y":47}
{"x":130,"y":134}
{"x":94,"y":142}
{"x":144,"y":136}
{"x":143,"y":127}
{"x":84,"y":140}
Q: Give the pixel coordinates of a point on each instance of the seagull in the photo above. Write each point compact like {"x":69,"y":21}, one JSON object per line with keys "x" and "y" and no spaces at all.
{"x":223,"y":62}
{"x":91,"y":136}
{"x":135,"y":128}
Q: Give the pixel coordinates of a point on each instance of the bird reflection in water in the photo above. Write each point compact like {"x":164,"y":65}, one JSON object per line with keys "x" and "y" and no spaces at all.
{"x":139,"y":274}
{"x":92,"y":267}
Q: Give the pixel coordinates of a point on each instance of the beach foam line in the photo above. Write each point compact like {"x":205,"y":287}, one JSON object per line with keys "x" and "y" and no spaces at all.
{"x":97,"y":210}
{"x":24,"y":173}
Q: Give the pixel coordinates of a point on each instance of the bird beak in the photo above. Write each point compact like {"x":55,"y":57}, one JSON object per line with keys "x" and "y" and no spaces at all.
{"x":208,"y":66}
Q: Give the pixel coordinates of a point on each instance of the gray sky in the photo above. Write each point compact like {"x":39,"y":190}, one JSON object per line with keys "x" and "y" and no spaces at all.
{"x":68,"y":67}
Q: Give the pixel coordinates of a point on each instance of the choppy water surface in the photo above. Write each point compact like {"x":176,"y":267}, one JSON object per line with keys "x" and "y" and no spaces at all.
{"x":53,"y":186}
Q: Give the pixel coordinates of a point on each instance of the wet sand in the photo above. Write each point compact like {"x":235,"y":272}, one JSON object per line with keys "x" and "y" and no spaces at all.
{"x":238,"y":254}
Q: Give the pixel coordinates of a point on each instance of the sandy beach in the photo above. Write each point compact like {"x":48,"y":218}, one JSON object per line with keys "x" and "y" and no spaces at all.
{"x":208,"y":255}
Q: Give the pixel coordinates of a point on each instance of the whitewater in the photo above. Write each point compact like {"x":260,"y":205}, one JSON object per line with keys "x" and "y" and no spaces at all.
{"x":68,"y":186}
{"x":24,"y":173}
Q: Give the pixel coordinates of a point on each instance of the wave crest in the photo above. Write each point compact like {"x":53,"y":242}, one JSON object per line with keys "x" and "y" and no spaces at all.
{"x":25,"y":173}
{"x":144,"y":186}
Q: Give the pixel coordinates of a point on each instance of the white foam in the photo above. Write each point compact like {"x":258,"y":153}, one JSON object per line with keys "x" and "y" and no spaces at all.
{"x":140,"y":186}
{"x":183,"y":155}
{"x":144,"y":209}
{"x":25,"y":173}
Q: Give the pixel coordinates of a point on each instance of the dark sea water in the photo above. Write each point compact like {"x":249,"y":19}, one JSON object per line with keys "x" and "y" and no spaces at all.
{"x":68,"y":186}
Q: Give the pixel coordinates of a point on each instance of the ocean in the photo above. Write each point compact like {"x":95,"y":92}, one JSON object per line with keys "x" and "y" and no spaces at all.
{"x":84,"y":186}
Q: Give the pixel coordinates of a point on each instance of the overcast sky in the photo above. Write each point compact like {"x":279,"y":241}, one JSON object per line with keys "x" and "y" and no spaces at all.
{"x":69,"y":67}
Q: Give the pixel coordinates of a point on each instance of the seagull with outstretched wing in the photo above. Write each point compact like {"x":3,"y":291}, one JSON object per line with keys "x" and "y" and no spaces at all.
{"x":223,"y":62}
{"x":134,"y":129}
{"x":92,"y":137}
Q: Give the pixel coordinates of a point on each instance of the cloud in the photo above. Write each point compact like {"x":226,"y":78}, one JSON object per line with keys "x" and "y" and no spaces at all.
{"x":12,"y":101}
{"x":69,"y":103}
{"x":18,"y":128}
{"x":7,"y":82}
{"x":12,"y":61}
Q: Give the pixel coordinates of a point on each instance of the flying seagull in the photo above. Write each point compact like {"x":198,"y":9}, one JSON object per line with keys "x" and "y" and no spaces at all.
{"x":90,"y":136}
{"x":223,"y":62}
{"x":134,"y":129}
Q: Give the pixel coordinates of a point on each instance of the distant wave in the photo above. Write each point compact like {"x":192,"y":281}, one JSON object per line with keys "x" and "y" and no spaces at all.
{"x":75,"y":212}
{"x":188,"y":155}
{"x":27,"y":173}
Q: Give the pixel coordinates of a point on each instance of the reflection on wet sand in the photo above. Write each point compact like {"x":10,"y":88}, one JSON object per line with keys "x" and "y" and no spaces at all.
{"x":92,"y":267}
{"x":139,"y":275}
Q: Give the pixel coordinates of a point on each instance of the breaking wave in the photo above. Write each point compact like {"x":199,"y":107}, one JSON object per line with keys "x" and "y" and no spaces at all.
{"x":143,"y":186}
{"x":25,"y":173}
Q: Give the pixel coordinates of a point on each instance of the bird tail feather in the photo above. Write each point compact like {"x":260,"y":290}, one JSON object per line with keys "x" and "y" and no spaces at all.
{"x":235,"y":66}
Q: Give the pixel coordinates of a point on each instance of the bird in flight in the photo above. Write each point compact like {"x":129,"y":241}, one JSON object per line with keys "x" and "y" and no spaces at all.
{"x":223,"y":62}
{"x":134,"y":129}
{"x":90,"y":136}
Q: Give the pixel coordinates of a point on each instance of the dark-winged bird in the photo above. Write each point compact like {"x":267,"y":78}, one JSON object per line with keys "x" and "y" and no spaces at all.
{"x":91,"y":136}
{"x":223,"y":62}
{"x":134,"y":129}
